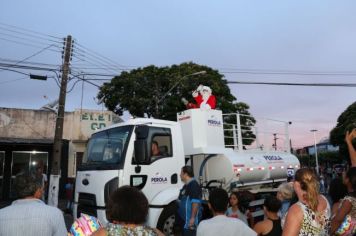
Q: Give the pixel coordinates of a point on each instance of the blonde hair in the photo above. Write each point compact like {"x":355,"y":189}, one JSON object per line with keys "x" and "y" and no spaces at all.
{"x":286,"y":190}
{"x":310,"y":184}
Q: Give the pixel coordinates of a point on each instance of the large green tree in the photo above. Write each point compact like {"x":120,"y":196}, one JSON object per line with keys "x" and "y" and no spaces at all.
{"x":345,"y":122}
{"x":157,"y":92}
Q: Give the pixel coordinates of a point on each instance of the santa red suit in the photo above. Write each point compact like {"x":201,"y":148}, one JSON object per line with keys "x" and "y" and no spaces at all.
{"x":204,"y":99}
{"x":207,"y":104}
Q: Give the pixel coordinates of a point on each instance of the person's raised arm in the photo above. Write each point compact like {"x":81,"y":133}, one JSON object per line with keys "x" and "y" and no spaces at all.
{"x":352,"y":152}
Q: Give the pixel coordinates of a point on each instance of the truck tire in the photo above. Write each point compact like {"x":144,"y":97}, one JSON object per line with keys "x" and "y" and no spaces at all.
{"x":166,"y":220}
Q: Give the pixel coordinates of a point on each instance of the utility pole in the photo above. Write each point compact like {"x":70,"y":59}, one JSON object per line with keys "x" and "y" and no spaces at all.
{"x":275,"y":141}
{"x":316,"y":152}
{"x":57,"y":145}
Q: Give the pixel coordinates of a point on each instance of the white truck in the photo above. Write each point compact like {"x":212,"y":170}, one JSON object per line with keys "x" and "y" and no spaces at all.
{"x":121,"y":155}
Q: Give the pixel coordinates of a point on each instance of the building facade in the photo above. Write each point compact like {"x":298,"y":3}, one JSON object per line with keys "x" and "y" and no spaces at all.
{"x":26,"y":141}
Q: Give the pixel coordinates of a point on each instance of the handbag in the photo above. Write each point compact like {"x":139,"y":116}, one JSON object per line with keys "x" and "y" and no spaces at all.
{"x":347,"y":227}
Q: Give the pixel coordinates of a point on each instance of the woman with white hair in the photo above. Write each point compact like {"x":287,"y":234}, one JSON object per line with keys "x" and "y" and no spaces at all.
{"x":285,"y":194}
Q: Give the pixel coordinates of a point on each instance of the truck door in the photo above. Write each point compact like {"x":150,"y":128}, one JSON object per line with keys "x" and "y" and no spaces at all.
{"x":161,"y":169}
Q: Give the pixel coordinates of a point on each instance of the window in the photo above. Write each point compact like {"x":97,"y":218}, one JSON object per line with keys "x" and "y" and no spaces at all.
{"x":26,"y":162}
{"x":108,"y":146}
{"x":78,"y":159}
{"x":160,"y":141}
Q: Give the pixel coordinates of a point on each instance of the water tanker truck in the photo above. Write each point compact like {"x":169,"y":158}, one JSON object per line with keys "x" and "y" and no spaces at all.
{"x":121,"y":155}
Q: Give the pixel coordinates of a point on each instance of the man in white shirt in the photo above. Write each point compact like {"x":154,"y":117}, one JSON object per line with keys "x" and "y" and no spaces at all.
{"x":220,"y":224}
{"x":29,"y":215}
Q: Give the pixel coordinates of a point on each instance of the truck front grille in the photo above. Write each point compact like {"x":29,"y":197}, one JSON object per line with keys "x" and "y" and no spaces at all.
{"x":87,"y":204}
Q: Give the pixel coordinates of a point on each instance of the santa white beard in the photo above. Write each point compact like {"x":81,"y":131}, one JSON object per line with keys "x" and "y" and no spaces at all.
{"x":205,"y":96}
{"x":204,"y":104}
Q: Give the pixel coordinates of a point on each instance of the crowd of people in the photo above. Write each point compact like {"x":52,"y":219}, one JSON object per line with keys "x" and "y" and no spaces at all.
{"x":298,"y":208}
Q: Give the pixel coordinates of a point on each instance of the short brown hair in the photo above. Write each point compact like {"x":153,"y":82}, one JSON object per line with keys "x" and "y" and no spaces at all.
{"x":188,"y":170}
{"x":127,"y":204}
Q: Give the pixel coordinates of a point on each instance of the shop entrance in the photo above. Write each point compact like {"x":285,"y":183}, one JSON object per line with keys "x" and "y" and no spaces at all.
{"x":2,"y":163}
{"x":26,"y":162}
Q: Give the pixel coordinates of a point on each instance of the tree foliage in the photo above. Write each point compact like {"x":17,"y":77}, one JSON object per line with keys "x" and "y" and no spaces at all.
{"x":324,"y":159}
{"x":143,"y":92}
{"x":345,"y":122}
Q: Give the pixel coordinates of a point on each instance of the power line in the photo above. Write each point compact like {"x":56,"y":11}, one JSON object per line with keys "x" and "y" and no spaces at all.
{"x":24,"y":67}
{"x":32,"y":68}
{"x":26,"y":44}
{"x":14,"y":71}
{"x":71,"y":89}
{"x":99,"y":74}
{"x":281,"y":72}
{"x":296,"y":84}
{"x":32,"y":31}
{"x":94,"y":62}
{"x":85,"y":80}
{"x":95,"y":58}
{"x":14,"y":80}
{"x":35,"y":54}
{"x":32,"y":63}
{"x":106,"y":58}
{"x":98,"y":60}
{"x":83,"y":67}
{"x":28,"y":75}
{"x":98,"y":86}
{"x":27,"y":35}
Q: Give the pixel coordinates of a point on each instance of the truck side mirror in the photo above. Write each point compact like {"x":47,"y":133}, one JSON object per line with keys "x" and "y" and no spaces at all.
{"x":141,"y":132}
{"x":141,"y":154}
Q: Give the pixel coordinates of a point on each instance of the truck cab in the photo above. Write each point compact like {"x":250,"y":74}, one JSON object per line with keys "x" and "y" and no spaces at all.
{"x":111,"y":161}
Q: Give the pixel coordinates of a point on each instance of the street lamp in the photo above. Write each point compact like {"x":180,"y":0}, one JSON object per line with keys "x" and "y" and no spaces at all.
{"x":316,"y":151}
{"x":175,"y":85}
{"x":275,"y":142}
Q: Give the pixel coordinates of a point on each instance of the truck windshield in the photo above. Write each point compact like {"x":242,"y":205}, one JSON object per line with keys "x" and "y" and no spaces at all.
{"x":107,"y":149}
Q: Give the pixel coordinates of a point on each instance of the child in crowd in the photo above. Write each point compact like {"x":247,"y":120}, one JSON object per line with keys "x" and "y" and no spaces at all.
{"x":233,"y":210}
{"x":69,"y":195}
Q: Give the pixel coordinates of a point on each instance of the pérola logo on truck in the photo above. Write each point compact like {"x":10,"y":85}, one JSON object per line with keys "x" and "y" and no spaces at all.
{"x":214,"y":122}
{"x":158,"y":179}
{"x":273,"y":158}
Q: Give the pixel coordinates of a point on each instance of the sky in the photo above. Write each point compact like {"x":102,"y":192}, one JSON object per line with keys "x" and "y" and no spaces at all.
{"x":298,"y":38}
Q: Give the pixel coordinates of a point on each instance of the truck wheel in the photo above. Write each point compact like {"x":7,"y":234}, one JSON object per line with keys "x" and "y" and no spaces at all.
{"x":167,"y":219}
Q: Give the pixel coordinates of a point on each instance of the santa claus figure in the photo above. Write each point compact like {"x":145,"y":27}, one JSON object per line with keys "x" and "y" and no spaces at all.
{"x":203,"y":97}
